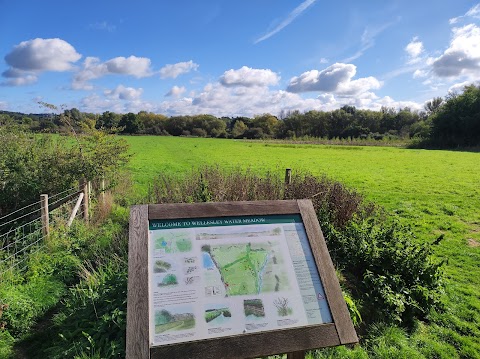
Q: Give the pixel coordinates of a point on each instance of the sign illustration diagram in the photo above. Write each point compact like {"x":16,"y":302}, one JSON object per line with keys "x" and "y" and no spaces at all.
{"x":229,"y":276}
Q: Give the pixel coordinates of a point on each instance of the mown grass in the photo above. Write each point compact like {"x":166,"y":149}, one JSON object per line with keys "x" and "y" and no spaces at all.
{"x":436,"y":192}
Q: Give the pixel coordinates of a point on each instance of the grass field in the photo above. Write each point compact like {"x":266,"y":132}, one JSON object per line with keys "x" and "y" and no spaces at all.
{"x":436,"y":192}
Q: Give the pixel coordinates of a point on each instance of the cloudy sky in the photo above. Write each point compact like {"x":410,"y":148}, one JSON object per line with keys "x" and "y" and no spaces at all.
{"x":231,"y":57}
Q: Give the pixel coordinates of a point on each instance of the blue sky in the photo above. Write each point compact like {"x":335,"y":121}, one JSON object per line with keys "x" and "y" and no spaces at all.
{"x":231,"y":58}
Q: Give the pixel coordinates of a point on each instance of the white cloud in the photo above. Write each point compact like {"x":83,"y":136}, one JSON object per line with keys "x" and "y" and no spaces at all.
{"x":43,"y":55}
{"x":98,"y":104}
{"x":3,"y":105}
{"x":292,"y":16}
{"x":17,"y":77}
{"x":324,"y":60}
{"x":175,"y":91}
{"x":462,"y":58}
{"x":134,"y":66}
{"x":420,"y":73}
{"x":387,"y":101}
{"x":175,"y":70}
{"x":336,"y":79}
{"x":458,"y":87}
{"x":473,"y":12}
{"x":30,"y":58}
{"x":368,"y":39}
{"x":249,"y":77}
{"x":124,"y":93}
{"x":93,"y":68}
{"x":103,"y":25}
{"x":414,"y":49}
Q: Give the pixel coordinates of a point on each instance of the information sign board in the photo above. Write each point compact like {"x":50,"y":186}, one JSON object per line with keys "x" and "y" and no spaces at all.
{"x":217,"y":280}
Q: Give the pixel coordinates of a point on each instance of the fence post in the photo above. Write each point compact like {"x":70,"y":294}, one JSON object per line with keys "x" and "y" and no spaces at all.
{"x":288,"y":176}
{"x":84,"y":189}
{"x":296,"y":355}
{"x":45,"y":215}
{"x":102,"y":190}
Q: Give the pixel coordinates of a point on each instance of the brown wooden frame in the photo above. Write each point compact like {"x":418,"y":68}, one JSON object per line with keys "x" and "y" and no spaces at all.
{"x":340,"y":332}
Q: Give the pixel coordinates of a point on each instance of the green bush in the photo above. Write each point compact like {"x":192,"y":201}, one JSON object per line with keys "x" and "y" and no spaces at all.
{"x":394,"y":276}
{"x":6,"y":344}
{"x":27,"y":302}
{"x":93,"y":318}
{"x":33,"y":164}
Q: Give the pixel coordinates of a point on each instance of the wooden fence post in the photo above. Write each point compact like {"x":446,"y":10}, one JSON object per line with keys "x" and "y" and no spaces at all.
{"x":102,"y":190}
{"x":296,"y":355}
{"x":45,"y":215}
{"x":84,"y":189}
{"x":288,"y":176}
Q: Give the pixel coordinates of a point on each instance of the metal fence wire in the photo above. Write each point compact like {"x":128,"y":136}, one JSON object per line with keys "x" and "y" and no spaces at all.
{"x":22,"y":232}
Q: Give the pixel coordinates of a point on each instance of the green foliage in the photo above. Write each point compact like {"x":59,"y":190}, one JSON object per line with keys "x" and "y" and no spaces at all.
{"x":27,"y":302}
{"x":352,"y":309}
{"x":34,"y":164}
{"x":387,"y":269}
{"x":457,"y":122}
{"x":130,"y":124}
{"x":6,"y":344}
{"x":93,"y":317}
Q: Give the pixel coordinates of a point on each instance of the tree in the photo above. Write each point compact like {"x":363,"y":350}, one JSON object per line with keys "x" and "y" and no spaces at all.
{"x":239,"y":129}
{"x":130,"y":123}
{"x":108,"y":120}
{"x":433,"y":105}
{"x":457,"y":122}
{"x":31,"y":165}
{"x":267,"y":122}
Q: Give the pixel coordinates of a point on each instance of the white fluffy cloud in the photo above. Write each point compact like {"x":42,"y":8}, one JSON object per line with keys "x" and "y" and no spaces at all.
{"x":124,"y":93}
{"x":248,"y":77}
{"x":93,"y":68}
{"x":414,"y":49}
{"x":175,"y":70}
{"x":458,"y":87}
{"x":97,"y":104}
{"x":473,"y":12}
{"x":462,"y":58}
{"x":175,"y":91}
{"x":336,"y":79}
{"x":30,"y":58}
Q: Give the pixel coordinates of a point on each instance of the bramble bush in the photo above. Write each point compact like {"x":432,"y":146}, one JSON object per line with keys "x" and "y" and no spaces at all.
{"x":31,"y":164}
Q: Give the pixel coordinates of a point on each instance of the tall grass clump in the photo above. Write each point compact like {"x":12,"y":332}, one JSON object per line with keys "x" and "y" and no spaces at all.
{"x":390,"y":276}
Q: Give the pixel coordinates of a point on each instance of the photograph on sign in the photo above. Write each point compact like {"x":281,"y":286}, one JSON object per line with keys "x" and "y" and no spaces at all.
{"x":217,"y":277}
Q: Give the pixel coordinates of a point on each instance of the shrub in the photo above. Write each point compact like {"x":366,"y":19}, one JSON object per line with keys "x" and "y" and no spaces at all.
{"x":27,"y":302}
{"x":33,"y":164}
{"x":93,"y":317}
{"x":393,"y":275}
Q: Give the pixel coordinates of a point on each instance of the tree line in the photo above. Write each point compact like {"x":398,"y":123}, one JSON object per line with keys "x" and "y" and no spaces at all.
{"x":449,"y":122}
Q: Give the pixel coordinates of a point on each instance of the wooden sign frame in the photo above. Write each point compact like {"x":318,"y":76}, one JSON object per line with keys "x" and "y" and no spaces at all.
{"x":339,"y":332}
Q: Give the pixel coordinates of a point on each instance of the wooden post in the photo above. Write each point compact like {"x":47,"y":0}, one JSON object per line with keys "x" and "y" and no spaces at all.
{"x":102,"y":190}
{"x":75,"y":209}
{"x":84,"y":189}
{"x":296,"y":355}
{"x":44,"y":214}
{"x":288,"y":176}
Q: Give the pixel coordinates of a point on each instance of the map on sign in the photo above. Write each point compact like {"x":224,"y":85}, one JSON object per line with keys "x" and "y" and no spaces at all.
{"x":232,"y":275}
{"x":250,"y":268}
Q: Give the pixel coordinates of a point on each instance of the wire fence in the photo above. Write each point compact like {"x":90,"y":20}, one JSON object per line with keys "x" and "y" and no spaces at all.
{"x":23,"y":232}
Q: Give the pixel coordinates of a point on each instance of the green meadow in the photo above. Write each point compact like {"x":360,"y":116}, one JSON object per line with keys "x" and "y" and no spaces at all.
{"x":435,"y":192}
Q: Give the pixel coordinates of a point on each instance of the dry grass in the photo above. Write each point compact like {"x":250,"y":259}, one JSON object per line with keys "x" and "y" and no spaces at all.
{"x":211,"y":184}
